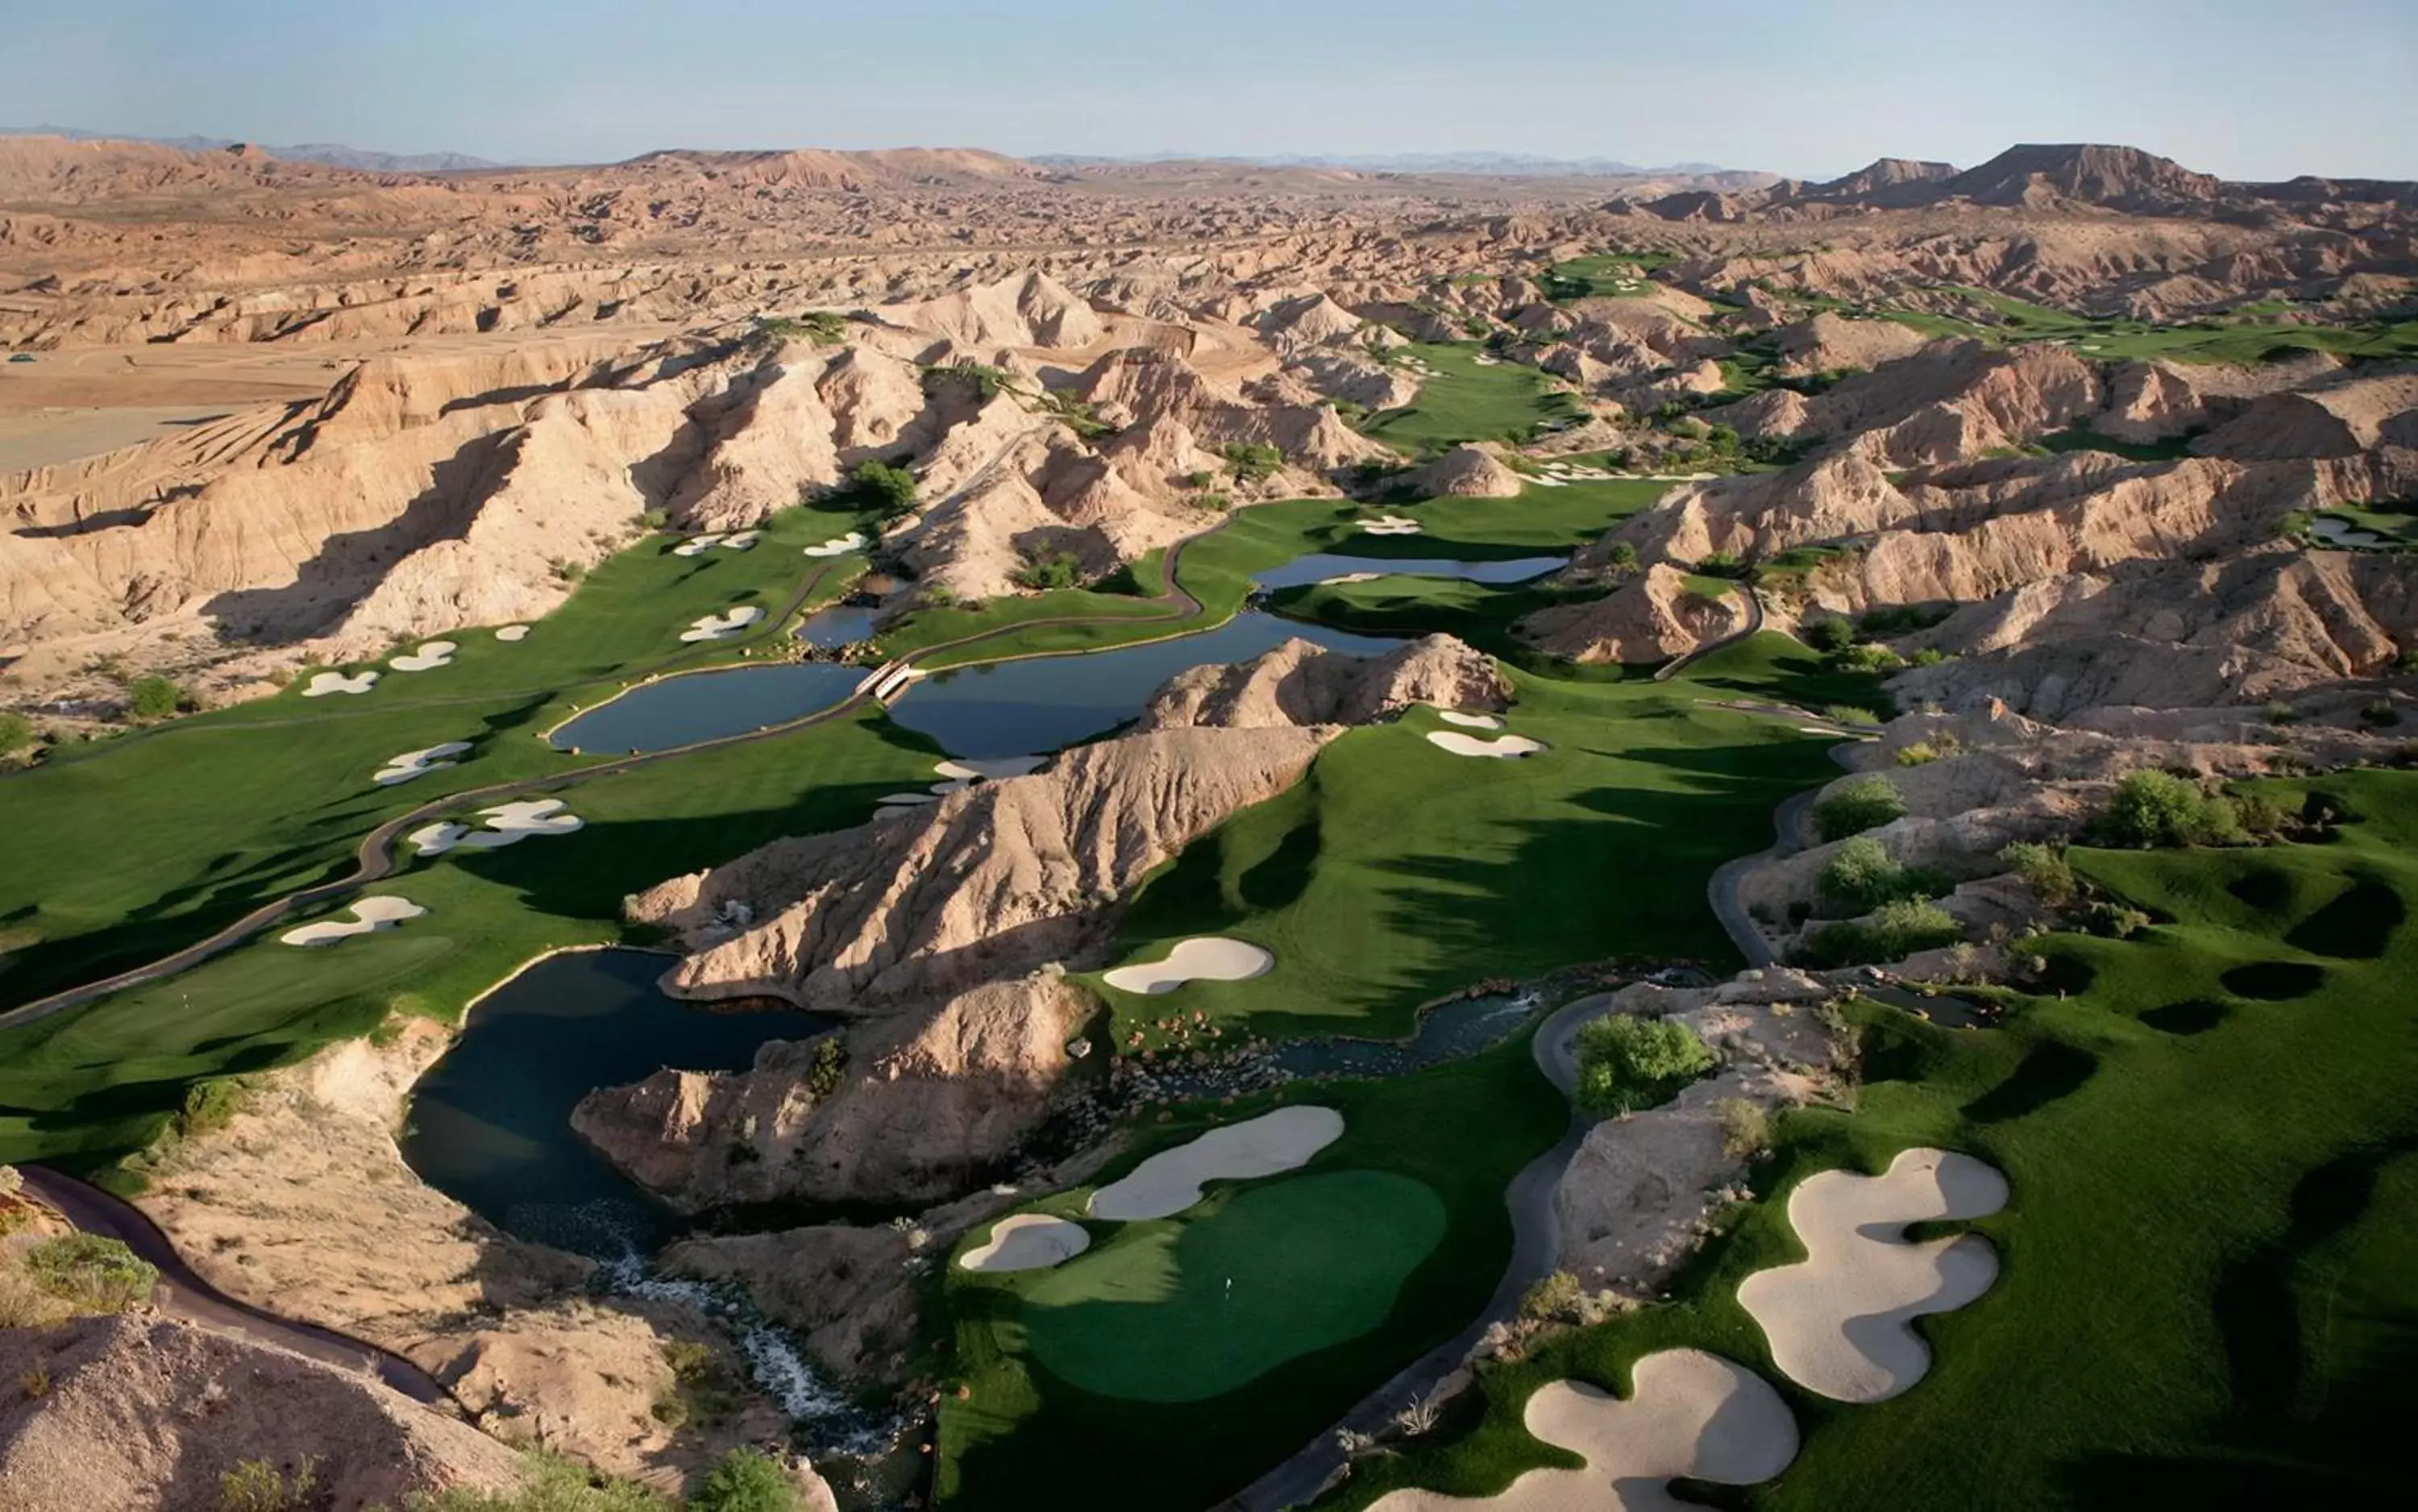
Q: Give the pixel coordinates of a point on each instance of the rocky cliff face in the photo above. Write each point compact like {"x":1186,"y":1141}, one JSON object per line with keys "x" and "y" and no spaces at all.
{"x":1651,"y":617}
{"x":138,"y":1414}
{"x":1299,"y":683}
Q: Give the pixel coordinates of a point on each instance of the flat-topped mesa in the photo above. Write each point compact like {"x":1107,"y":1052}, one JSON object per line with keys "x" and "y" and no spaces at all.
{"x":990,"y":883}
{"x":1304,"y":684}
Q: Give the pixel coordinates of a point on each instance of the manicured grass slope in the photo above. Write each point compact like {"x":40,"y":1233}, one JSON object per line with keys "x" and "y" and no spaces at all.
{"x":1466,"y":401}
{"x":2208,"y":1294}
{"x":1025,"y":1436}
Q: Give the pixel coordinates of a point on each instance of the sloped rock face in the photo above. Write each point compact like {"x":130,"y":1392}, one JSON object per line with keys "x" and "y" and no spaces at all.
{"x":138,"y":1414}
{"x":1465,"y":472}
{"x":1651,"y":617}
{"x":1299,"y":683}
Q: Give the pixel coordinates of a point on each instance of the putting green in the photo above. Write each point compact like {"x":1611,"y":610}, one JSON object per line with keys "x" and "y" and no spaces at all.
{"x":1312,"y":1261}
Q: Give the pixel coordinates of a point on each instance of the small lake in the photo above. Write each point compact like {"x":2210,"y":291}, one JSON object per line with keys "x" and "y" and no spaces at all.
{"x":1319,"y":566}
{"x":1051,"y":702}
{"x":842,"y":624}
{"x":706,"y":706}
{"x":491,"y":1122}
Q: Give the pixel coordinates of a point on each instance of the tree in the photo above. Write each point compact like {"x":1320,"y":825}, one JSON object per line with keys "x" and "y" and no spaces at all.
{"x":1048,"y":570}
{"x":1626,"y":1062}
{"x":1831,"y":634}
{"x":2042,"y":869}
{"x":2158,"y":808}
{"x":882,"y":487}
{"x":1858,"y":804}
{"x":154,"y":697}
{"x":746,"y":1480}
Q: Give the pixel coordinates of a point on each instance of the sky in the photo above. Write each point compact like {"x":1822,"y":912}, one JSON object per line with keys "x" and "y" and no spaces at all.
{"x":2244,"y":88}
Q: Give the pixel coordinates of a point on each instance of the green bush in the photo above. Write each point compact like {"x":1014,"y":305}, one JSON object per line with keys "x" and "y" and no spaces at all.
{"x":16,"y":732}
{"x":746,"y":1480}
{"x":154,"y":697}
{"x":210,"y":1105}
{"x":90,"y":1273}
{"x":1620,"y":556}
{"x":1864,"y":876}
{"x":1858,"y":804}
{"x":1721,"y":564}
{"x":1626,"y":1063}
{"x":1869,"y":657}
{"x":1552,"y":1298}
{"x":1048,"y":570}
{"x":548,"y":1484}
{"x":1895,"y":931}
{"x":2044,"y":870}
{"x":1251,"y":463}
{"x":260,"y":1486}
{"x":2158,"y":808}
{"x":831,"y":1061}
{"x":882,"y":487}
{"x":1829,"y":634}
{"x":1745,"y":1127}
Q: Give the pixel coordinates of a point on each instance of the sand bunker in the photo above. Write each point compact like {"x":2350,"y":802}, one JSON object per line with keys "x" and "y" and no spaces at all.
{"x":963,"y":774}
{"x":1171,"y":1180}
{"x":698,"y":545}
{"x":839,"y":545}
{"x":324,"y":683}
{"x":369,"y":915}
{"x":428,"y":658}
{"x":1469,"y":722}
{"x":506,"y":824}
{"x":1841,"y":1321}
{"x":1027,"y":1242}
{"x":1208,"y":958}
{"x":419,"y":763}
{"x":512,"y":633}
{"x":724,"y":625}
{"x":1390,"y":525}
{"x":1502,"y":747}
{"x":1341,"y":578}
{"x":1690,"y":1413}
{"x":741,"y":541}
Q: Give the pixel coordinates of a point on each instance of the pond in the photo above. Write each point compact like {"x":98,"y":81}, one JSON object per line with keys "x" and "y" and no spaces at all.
{"x":706,"y":706}
{"x":491,"y":1122}
{"x":842,"y":624}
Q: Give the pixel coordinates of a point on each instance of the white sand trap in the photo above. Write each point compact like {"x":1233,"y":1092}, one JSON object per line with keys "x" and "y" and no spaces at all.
{"x":324,"y":683}
{"x":1390,"y":525}
{"x":1548,"y":481}
{"x":964,"y":774}
{"x":698,"y":545}
{"x":419,"y":763}
{"x":723,"y":626}
{"x":1841,"y":1321}
{"x":1027,"y":1242}
{"x":512,"y":633}
{"x":742,"y":540}
{"x":428,"y":658}
{"x":1341,"y":578}
{"x":1502,"y":747}
{"x":1171,"y":1180}
{"x":839,"y":545}
{"x":368,"y":916}
{"x":1208,"y":958}
{"x":1469,"y":722}
{"x":506,"y":824}
{"x":1690,"y":1413}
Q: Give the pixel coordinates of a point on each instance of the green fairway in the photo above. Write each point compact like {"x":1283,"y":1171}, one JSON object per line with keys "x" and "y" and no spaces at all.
{"x":1397,"y":871}
{"x":1469,"y":400}
{"x":2206,"y":1295}
{"x":137,"y":846}
{"x":1613,"y":275}
{"x":1197,"y":1306}
{"x":1385,"y":1244}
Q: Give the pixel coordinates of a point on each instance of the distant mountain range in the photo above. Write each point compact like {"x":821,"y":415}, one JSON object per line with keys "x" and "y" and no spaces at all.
{"x":334,"y":154}
{"x":1493,"y":164}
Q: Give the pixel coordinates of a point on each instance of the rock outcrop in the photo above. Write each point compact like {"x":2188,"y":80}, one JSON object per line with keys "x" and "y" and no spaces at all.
{"x":1299,"y":683}
{"x":1651,"y":617}
{"x":1464,"y":472}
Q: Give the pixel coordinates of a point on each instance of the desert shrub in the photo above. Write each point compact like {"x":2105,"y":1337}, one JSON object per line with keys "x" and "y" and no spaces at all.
{"x":154,"y":697}
{"x":1626,"y":1063}
{"x":1850,"y":714}
{"x":210,"y":1105}
{"x":1829,"y":634}
{"x":2279,"y":712}
{"x":1858,"y":804}
{"x":1048,"y":570}
{"x":1721,"y":564}
{"x":831,"y":1060}
{"x":12,"y":1182}
{"x":262,"y":1486}
{"x":1198,"y":480}
{"x":16,"y":732}
{"x":745,"y":1480}
{"x":1552,"y":1298}
{"x":1928,"y":656}
{"x":2043,"y":869}
{"x":1864,"y":876}
{"x":655,"y":519}
{"x":90,"y":1273}
{"x":2158,"y":808}
{"x":1251,"y":462}
{"x":2377,"y":711}
{"x":548,"y":1484}
{"x":1620,"y":556}
{"x":1217,"y":503}
{"x":2113,"y":921}
{"x":1923,"y":753}
{"x":1895,"y":931}
{"x":882,"y":487}
{"x":35,"y":1383}
{"x":1870,"y":656}
{"x":1745,"y":1127}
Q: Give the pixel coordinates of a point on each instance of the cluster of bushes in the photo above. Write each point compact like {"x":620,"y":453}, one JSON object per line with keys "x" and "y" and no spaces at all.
{"x":2164,"y":808}
{"x":1048,"y":570}
{"x":1864,"y":876}
{"x":1895,"y":931}
{"x":1858,"y":804}
{"x":888,"y":490}
{"x":155,"y":697}
{"x":745,"y":1480}
{"x":1628,"y":1064}
{"x":1251,"y":462}
{"x":825,"y":328}
{"x":987,"y":381}
{"x":2044,"y":870}
{"x":89,"y":1272}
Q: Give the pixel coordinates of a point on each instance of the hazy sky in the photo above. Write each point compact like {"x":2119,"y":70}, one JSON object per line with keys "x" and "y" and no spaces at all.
{"x":2246,"y":88}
